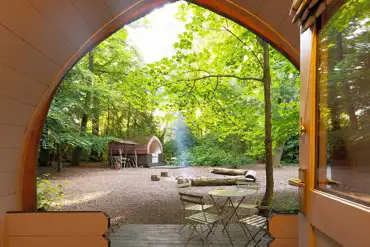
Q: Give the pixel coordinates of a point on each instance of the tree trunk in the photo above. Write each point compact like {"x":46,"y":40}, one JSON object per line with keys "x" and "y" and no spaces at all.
{"x":231,"y":172}
{"x":107,"y":130}
{"x":128,"y":120}
{"x":44,"y":147}
{"x":94,"y":155}
{"x":278,"y":152}
{"x":59,"y":158}
{"x":76,"y":155}
{"x":269,"y":192}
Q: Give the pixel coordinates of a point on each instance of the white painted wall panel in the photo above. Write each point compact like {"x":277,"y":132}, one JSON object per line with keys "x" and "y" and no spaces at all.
{"x":10,"y":136}
{"x":49,"y":41}
{"x":66,"y":18}
{"x":117,"y":6}
{"x":95,"y":12}
{"x":17,"y":86}
{"x":22,"y":57}
{"x":9,"y":159}
{"x":289,"y":33}
{"x":14,"y":112}
{"x":251,"y":5}
{"x":7,"y":183}
{"x":7,"y":203}
{"x":274,"y":14}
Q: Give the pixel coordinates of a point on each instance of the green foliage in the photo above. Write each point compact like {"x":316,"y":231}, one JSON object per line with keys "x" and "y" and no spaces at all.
{"x":113,"y":95}
{"x":214,"y":79}
{"x":49,"y":195}
{"x":169,"y":151}
{"x":288,"y":203}
{"x":291,"y":151}
{"x":206,"y":155}
{"x":208,"y":151}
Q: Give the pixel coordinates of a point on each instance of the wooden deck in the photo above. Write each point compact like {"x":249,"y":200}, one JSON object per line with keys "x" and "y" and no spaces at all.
{"x":166,"y":236}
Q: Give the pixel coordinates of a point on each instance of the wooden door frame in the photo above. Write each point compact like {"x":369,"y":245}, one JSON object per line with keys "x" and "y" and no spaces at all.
{"x":342,"y":221}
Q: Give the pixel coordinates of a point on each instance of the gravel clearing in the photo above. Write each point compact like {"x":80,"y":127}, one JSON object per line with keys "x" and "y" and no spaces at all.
{"x":128,"y":195}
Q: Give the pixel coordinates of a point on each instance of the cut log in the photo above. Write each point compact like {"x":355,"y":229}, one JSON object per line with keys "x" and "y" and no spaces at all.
{"x":231,"y":172}
{"x":164,"y":174}
{"x":155,"y":178}
{"x":215,"y":181}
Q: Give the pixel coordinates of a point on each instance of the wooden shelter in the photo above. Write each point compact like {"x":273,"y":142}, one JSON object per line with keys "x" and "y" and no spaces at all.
{"x":140,"y":151}
{"x":122,"y":153}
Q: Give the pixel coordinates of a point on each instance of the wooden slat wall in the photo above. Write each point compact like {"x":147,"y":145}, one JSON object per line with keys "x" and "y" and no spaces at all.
{"x":305,"y":12}
{"x":55,"y":229}
{"x":284,"y":228}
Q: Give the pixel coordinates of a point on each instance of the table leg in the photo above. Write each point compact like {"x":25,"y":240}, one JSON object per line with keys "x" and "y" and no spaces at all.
{"x":234,"y":210}
{"x":219,"y":212}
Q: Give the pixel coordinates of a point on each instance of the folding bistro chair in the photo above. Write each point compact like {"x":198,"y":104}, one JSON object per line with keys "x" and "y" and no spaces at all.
{"x":256,"y":225}
{"x":186,"y":189}
{"x":201,"y":218}
{"x":252,"y":200}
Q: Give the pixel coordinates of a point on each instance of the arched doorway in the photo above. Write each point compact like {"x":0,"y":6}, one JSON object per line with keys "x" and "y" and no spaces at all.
{"x":36,"y":57}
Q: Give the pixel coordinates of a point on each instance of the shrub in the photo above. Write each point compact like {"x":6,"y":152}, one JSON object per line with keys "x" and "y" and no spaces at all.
{"x":169,"y":151}
{"x":291,"y":151}
{"x":207,"y":151}
{"x":287,"y":203}
{"x":206,"y":155}
{"x":49,"y":195}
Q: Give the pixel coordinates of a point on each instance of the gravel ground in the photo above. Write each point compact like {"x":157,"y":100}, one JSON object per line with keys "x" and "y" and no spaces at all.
{"x":128,"y":195}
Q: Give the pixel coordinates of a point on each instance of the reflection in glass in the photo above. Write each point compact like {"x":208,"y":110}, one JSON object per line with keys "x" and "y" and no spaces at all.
{"x":344,"y":103}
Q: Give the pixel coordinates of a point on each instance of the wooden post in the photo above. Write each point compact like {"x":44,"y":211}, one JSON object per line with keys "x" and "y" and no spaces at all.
{"x":155,"y":178}
{"x":164,"y":174}
{"x":59,"y":158}
{"x":135,"y":158}
{"x":120,"y":158}
{"x":110,"y":160}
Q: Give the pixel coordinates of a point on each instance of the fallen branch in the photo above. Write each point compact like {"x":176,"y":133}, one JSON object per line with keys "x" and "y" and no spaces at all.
{"x":231,"y":172}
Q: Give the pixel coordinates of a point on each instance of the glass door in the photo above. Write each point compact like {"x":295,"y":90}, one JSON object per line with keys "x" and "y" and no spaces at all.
{"x":343,"y":110}
{"x":335,"y":150}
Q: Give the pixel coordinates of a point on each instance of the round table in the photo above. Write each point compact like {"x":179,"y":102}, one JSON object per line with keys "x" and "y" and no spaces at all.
{"x":229,"y":194}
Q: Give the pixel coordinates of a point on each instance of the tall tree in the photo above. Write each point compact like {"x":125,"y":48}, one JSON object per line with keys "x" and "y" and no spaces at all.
{"x":76,"y":156}
{"x":269,"y":192}
{"x":224,"y":71}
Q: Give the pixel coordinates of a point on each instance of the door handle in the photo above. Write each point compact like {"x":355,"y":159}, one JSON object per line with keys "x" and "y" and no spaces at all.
{"x":302,"y":130}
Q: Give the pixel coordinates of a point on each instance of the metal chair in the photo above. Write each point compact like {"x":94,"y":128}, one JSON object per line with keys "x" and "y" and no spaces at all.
{"x":201,"y":218}
{"x":255,"y":225}
{"x":186,"y":189}
{"x":252,"y":200}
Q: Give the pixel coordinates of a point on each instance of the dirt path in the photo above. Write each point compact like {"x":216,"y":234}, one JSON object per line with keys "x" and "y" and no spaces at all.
{"x":129,"y":195}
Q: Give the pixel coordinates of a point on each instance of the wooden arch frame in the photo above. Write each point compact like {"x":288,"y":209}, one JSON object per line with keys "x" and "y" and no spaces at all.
{"x":26,"y":189}
{"x":154,"y":138}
